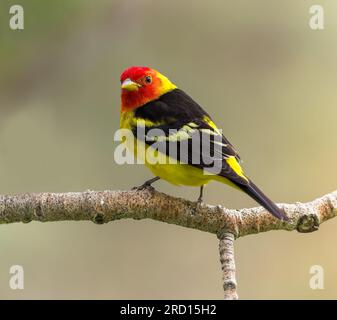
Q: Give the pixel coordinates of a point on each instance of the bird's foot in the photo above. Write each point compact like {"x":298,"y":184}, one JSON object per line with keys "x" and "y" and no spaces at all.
{"x":197,"y":206}
{"x":200,"y":201}
{"x":144,"y":186}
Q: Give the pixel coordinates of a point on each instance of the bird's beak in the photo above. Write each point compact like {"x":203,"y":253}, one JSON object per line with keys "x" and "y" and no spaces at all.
{"x":130,"y":85}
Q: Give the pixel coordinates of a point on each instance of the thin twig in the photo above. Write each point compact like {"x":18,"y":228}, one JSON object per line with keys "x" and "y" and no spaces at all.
{"x":226,"y":249}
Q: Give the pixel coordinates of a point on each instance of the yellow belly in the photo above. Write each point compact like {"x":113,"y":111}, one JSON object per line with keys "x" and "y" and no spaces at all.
{"x":180,"y":174}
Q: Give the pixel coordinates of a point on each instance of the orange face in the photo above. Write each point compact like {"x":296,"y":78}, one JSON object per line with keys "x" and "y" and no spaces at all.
{"x":141,"y":85}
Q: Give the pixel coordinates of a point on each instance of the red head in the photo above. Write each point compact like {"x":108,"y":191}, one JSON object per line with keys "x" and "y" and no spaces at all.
{"x":141,"y":85}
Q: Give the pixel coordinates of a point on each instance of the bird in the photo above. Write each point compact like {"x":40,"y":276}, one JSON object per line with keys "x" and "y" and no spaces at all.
{"x":151,"y":102}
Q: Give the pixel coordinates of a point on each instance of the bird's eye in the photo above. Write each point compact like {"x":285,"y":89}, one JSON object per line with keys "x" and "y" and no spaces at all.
{"x":148,"y":79}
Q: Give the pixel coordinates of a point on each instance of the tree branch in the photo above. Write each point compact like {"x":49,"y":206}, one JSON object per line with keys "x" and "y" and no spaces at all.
{"x":227,"y":224}
{"x":105,"y":206}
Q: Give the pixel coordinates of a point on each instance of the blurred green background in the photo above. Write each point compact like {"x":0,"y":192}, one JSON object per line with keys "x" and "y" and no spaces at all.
{"x":268,"y":80}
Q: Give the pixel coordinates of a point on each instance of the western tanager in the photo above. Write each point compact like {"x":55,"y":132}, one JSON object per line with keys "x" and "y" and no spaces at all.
{"x":151,"y":101}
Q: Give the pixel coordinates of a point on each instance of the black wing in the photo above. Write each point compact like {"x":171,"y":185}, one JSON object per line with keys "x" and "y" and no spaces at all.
{"x":179,"y":118}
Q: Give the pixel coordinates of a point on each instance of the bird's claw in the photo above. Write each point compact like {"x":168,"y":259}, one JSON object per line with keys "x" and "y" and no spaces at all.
{"x":198,"y":205}
{"x":144,"y":186}
{"x":200,"y":201}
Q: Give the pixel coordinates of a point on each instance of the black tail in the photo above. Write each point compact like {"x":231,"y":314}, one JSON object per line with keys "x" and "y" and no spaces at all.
{"x":252,"y":190}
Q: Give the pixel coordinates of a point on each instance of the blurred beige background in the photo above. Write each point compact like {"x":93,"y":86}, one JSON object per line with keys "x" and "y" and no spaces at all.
{"x":268,"y":80}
